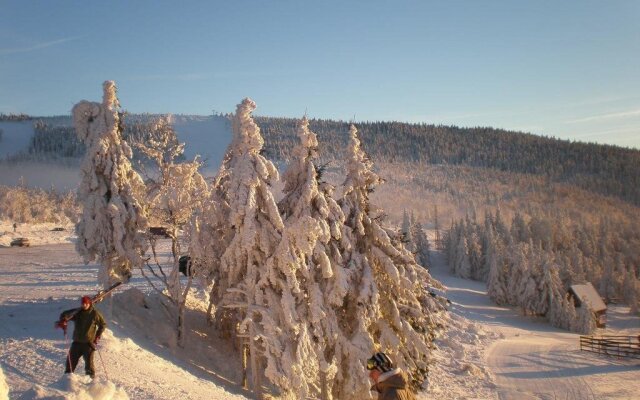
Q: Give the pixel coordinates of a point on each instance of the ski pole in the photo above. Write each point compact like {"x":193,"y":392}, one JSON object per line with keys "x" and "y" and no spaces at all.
{"x":66,"y":344}
{"x":102,"y":362}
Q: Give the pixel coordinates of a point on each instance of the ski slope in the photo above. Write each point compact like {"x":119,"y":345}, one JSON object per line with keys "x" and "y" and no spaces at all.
{"x":16,"y":136}
{"x":489,"y":352}
{"x":204,"y":136}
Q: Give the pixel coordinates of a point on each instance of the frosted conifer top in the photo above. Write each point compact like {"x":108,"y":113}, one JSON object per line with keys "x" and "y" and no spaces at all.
{"x":246,"y":133}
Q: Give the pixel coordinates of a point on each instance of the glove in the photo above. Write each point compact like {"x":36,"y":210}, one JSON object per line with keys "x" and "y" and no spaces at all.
{"x":62,"y":324}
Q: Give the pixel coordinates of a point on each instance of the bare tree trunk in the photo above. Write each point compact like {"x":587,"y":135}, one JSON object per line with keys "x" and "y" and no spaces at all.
{"x":324,"y":394}
{"x":255,"y":372}
{"x":210,"y":307}
{"x":181,"y":326}
{"x":245,"y":351}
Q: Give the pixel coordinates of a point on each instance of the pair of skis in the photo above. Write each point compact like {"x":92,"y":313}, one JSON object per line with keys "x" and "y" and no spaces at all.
{"x":62,"y":322}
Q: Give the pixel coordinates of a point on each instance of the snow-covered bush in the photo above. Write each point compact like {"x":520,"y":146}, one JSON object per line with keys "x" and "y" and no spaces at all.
{"x":111,"y":229}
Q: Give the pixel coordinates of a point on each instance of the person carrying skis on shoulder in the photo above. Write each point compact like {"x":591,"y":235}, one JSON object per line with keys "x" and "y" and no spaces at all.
{"x":389,"y":382}
{"x":88,"y":327}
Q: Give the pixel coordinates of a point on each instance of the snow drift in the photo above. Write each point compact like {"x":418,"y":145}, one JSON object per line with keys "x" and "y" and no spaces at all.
{"x":76,"y":387}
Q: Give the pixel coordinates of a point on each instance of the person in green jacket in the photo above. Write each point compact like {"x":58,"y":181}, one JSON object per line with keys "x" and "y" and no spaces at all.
{"x":389,"y":382}
{"x":88,"y":326}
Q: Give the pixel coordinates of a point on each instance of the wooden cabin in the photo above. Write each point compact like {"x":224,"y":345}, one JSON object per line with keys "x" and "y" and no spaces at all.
{"x":586,"y":292}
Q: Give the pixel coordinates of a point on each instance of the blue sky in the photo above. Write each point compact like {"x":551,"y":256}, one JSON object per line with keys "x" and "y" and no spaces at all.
{"x":568,"y":69}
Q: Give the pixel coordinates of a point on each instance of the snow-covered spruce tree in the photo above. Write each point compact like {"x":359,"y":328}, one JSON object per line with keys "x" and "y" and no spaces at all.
{"x":388,"y":308}
{"x":553,"y":285}
{"x":502,"y":231}
{"x":405,"y":230}
{"x":313,"y":241}
{"x":531,"y":297}
{"x":496,"y":287}
{"x":174,"y":191}
{"x":607,"y":281}
{"x":422,"y":244}
{"x":474,"y":250}
{"x":451,"y":238}
{"x":517,"y":266}
{"x":251,"y":291}
{"x":210,"y":233}
{"x":562,"y":312}
{"x":548,"y":286}
{"x":415,"y":238}
{"x":112,"y":227}
{"x":632,"y":291}
{"x":461,"y":262}
{"x":519,"y":228}
{"x":585,"y":319}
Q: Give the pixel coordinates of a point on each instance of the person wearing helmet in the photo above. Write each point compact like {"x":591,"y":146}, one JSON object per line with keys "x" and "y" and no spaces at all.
{"x":88,"y":326}
{"x":389,"y":382}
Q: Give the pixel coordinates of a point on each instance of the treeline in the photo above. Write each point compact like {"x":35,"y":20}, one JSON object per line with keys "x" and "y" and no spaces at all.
{"x":52,"y":140}
{"x":15,"y":117}
{"x":55,"y":141}
{"x":519,"y":261}
{"x":604,"y":169}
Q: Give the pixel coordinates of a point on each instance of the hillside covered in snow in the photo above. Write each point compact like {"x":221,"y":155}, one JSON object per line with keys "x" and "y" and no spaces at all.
{"x":489,"y":352}
{"x":297,"y":270}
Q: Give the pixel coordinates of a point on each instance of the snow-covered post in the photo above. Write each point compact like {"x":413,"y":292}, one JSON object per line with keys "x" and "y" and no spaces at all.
{"x":113,"y":223}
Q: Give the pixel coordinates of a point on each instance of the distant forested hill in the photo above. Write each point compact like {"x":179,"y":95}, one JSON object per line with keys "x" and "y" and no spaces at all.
{"x":604,"y":169}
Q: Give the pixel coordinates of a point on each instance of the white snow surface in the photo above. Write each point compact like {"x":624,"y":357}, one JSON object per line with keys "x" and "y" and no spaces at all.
{"x":207,"y":137}
{"x":37,"y":234}
{"x":16,"y":136}
{"x":488,"y":352}
{"x":496,"y":353}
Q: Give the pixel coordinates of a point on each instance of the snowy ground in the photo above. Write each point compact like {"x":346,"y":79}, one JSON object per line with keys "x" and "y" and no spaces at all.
{"x":489,"y":352}
{"x":533,"y":360}
{"x":38,"y":234}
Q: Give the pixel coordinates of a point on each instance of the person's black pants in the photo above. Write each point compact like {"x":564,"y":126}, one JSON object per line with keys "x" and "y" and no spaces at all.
{"x":77,"y":350}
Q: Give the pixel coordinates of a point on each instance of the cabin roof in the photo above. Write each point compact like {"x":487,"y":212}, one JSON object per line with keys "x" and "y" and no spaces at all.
{"x":587,"y":292}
